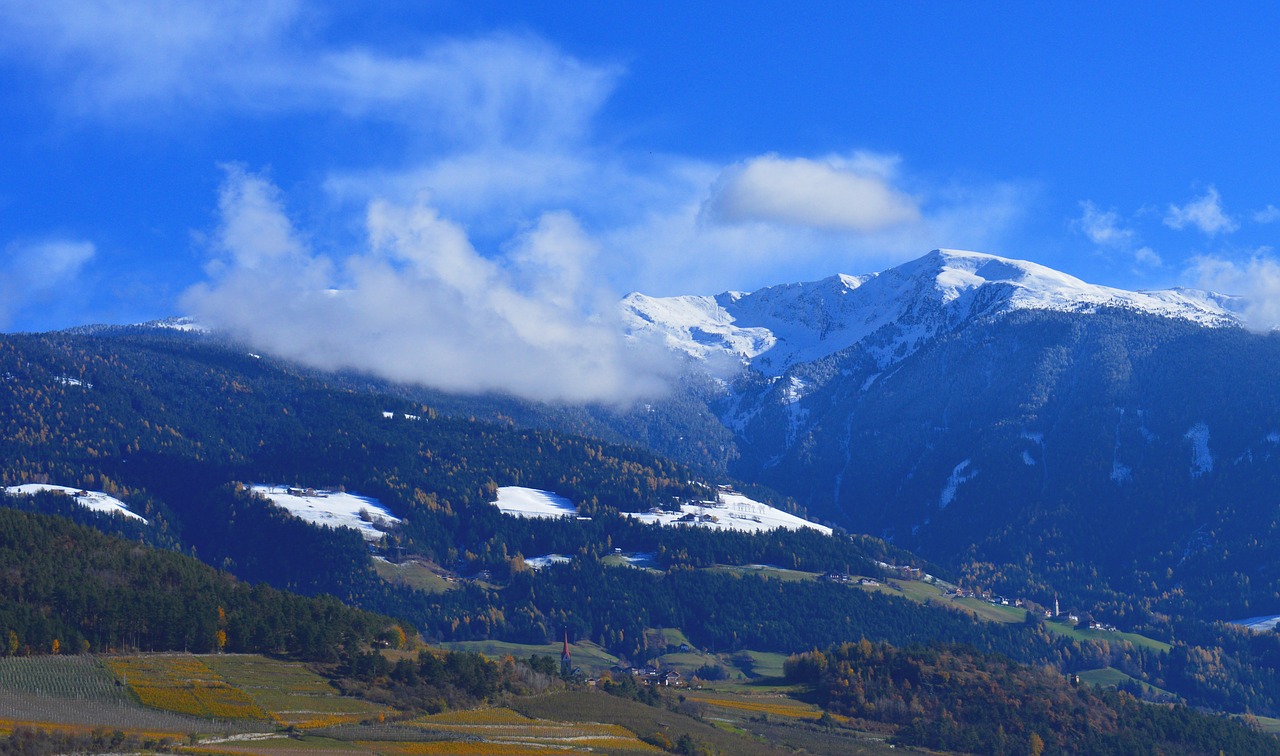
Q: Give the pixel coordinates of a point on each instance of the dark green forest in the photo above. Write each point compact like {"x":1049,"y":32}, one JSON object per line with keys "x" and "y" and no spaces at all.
{"x":955,"y":699}
{"x":176,"y":426}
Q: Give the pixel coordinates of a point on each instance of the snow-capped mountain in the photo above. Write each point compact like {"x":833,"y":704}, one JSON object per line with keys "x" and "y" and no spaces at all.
{"x":890,"y":313}
{"x":965,"y":401}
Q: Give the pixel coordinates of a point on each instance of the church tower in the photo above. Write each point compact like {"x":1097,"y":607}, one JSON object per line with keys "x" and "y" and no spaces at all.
{"x":566,"y":659}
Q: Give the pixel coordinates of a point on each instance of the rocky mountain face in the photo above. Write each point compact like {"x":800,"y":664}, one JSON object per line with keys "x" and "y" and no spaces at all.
{"x":975,"y":407}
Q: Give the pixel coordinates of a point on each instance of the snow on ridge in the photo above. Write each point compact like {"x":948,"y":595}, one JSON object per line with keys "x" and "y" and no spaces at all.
{"x":890,"y":313}
{"x":184,"y":323}
{"x":335,"y":509}
{"x":95,"y":500}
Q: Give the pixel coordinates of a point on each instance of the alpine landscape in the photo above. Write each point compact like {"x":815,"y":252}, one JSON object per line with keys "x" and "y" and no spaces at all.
{"x":359,"y":445}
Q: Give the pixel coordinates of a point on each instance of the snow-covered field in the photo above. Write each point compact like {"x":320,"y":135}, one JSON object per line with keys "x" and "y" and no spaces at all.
{"x":530,"y":502}
{"x":332,"y":508}
{"x":542,"y":562}
{"x":95,"y":500}
{"x":1259,"y":624}
{"x":732,"y":511}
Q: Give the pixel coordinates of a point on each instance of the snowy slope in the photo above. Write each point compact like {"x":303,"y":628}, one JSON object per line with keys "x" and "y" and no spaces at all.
{"x":731,"y":511}
{"x":891,"y":313}
{"x":531,"y":502}
{"x":331,"y":508}
{"x":95,"y":500}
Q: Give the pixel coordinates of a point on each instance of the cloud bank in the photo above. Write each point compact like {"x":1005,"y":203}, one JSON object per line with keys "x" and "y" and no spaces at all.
{"x":418,"y":304}
{"x":1256,"y":281}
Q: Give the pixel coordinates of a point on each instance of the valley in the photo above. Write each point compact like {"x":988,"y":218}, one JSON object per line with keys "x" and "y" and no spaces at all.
{"x":413,"y":570}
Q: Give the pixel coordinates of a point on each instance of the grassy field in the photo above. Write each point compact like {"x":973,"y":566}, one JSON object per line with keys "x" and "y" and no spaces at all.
{"x":291,"y":693}
{"x":1142,"y":641}
{"x":591,"y":658}
{"x":415,"y":574}
{"x":1110,"y":677}
{"x":594,"y":706}
{"x":764,"y":570}
{"x":1269,"y":724}
{"x":761,"y":725}
{"x":920,"y":591}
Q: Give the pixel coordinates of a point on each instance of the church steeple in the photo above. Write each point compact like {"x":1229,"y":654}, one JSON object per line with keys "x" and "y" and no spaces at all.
{"x":566,"y":659}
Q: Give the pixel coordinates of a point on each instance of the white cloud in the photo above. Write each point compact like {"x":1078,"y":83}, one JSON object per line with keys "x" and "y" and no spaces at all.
{"x":834,"y":194}
{"x":262,"y":56}
{"x":418,"y":304}
{"x":1106,"y":229}
{"x":1268,"y":214}
{"x":1256,"y":281}
{"x":30,"y":273}
{"x":493,"y":193}
{"x":1204,"y":213}
{"x":1148,"y":257}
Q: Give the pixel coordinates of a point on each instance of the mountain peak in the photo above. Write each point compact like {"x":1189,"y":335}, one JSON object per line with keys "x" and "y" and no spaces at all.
{"x":779,"y":326}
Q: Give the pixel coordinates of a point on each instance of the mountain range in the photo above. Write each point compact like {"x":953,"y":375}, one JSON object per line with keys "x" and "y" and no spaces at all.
{"x":982,"y":409}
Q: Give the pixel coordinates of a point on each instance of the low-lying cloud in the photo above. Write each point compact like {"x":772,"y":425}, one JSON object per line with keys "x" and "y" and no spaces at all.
{"x":1257,"y":282}
{"x":419,"y":304}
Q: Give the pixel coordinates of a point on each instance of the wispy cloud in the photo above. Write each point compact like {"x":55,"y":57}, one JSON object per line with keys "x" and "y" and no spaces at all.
{"x":31,"y":273}
{"x":1204,"y":213}
{"x":262,"y":56}
{"x":1106,"y":229}
{"x":418,"y":304}
{"x":1268,"y":214}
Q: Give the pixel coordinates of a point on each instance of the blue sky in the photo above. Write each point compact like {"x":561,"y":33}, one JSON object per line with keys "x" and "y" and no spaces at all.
{"x":540,"y":159}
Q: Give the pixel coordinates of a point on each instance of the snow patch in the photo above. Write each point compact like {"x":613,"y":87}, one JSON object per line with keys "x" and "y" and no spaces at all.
{"x":1201,"y":458}
{"x":1027,"y":459}
{"x":957,"y":478}
{"x":1120,"y":473}
{"x":542,"y":562}
{"x":333,"y":509}
{"x":730,"y":511}
{"x":531,"y":502}
{"x":95,"y":500}
{"x":1266,"y":623}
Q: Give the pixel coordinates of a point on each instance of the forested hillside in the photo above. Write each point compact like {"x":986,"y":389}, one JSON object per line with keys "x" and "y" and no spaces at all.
{"x":65,"y":588}
{"x":176,"y":425}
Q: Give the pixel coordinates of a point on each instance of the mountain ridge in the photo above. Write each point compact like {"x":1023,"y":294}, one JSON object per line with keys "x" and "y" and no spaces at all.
{"x":892,"y":312}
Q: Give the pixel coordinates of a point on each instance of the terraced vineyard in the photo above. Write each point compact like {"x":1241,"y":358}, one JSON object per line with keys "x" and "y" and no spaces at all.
{"x":185,"y":685}
{"x":290,"y":693}
{"x":81,"y":692}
